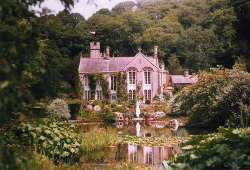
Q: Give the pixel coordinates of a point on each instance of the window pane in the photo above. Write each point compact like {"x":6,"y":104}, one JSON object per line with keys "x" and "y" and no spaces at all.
{"x":132,"y":77}
{"x":87,"y":94}
{"x":149,"y":77}
{"x":113,"y":83}
{"x":130,"y":94}
{"x":99,"y":94}
{"x":145,"y":94}
{"x":86,"y":83}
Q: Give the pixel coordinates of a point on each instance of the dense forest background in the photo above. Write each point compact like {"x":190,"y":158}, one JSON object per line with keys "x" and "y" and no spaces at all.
{"x":40,"y":54}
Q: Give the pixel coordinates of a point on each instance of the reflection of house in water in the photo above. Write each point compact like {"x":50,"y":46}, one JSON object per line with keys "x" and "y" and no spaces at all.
{"x":119,"y":116}
{"x":120,"y":124}
{"x":132,"y":152}
{"x":151,"y":154}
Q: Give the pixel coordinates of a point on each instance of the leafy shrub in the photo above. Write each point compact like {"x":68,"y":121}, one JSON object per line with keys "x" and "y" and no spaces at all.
{"x":105,"y":101}
{"x":55,"y":139}
{"x":59,"y":109}
{"x":227,"y":149}
{"x":113,"y":105}
{"x":108,"y":115}
{"x":97,"y":102}
{"x":147,"y":101}
{"x":178,"y":87}
{"x":121,"y":109}
{"x":132,"y":102}
{"x":200,"y":100}
{"x":235,"y":100}
{"x":74,"y":106}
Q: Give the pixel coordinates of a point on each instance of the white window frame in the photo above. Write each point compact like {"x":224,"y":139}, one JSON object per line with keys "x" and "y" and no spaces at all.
{"x":147,"y":76}
{"x":87,"y":95}
{"x":113,"y":83}
{"x":132,"y":76}
{"x":99,"y":94}
{"x":148,"y":94}
{"x":132,"y":94}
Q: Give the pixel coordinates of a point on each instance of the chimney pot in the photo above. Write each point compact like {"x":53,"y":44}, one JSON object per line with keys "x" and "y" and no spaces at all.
{"x":186,"y":73}
{"x":155,"y":51}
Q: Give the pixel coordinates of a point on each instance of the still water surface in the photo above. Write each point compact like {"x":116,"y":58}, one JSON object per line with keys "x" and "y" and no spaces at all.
{"x":139,"y":154}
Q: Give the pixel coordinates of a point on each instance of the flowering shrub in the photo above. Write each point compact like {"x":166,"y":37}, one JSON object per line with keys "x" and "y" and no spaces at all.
{"x":59,"y":109}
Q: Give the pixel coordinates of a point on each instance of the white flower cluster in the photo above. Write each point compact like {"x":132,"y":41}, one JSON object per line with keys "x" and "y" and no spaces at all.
{"x":59,"y":109}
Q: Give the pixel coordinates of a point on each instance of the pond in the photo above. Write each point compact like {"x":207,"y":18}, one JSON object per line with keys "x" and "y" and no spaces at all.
{"x":140,"y":143}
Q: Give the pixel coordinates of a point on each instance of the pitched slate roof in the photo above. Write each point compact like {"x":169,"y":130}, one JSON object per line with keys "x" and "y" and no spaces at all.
{"x":181,"y":79}
{"x":114,"y":64}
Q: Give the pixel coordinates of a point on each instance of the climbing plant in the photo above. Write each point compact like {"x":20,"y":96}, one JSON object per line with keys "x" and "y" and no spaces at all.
{"x":92,"y":84}
{"x":121,"y":85}
{"x":104,"y":84}
{"x":93,"y":78}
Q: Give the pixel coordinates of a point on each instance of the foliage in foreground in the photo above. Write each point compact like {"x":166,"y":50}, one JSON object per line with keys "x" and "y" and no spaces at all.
{"x":54,"y":139}
{"x":226,"y":149}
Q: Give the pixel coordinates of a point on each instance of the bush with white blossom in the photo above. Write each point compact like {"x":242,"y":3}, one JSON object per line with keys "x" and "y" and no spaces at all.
{"x":59,"y":109}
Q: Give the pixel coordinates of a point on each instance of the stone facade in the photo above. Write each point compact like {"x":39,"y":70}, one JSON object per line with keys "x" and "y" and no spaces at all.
{"x":143,"y":73}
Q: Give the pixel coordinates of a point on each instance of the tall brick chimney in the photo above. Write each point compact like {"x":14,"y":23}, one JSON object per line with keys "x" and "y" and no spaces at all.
{"x":95,"y":50}
{"x":155,"y":51}
{"x":186,"y":73}
{"x":107,"y":55}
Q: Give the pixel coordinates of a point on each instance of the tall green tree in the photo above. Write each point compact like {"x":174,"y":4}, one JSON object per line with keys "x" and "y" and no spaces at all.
{"x":158,"y":9}
{"x":193,"y":12}
{"x":18,"y":44}
{"x":199,"y":49}
{"x":123,"y":7}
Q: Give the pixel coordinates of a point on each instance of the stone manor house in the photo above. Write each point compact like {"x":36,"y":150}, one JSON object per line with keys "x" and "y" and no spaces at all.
{"x":142,"y":71}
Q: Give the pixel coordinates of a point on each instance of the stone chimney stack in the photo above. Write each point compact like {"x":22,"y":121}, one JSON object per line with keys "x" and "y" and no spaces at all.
{"x":186,"y":73}
{"x":155,"y":51}
{"x":162,"y":67}
{"x":95,"y":50}
{"x":107,"y":53}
